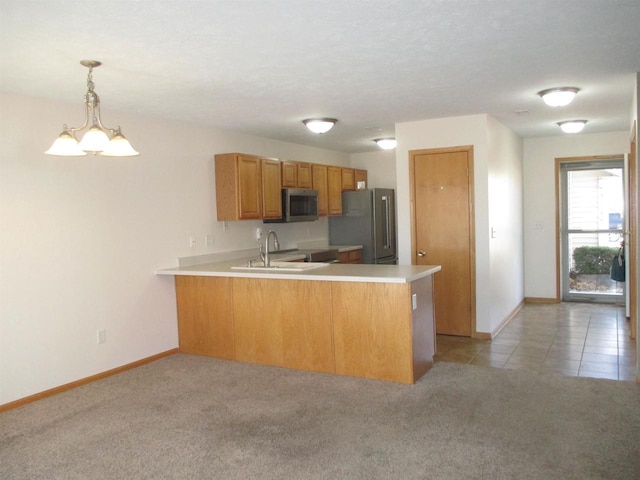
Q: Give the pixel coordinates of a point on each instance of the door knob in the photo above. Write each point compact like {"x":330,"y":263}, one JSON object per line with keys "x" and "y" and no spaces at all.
{"x":421,"y":253}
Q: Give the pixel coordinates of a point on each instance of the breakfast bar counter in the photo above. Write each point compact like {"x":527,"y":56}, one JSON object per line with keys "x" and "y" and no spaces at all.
{"x":372,"y":321}
{"x":326,"y":272}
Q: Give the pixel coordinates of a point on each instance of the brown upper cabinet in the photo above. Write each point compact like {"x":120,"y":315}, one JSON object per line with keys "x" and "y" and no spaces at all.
{"x":327,"y":180}
{"x":305,"y":179}
{"x":247,"y":187}
{"x":271,"y":189}
{"x":348,"y":179}
{"x":334,"y":188}
{"x":319,"y":176}
{"x":289,"y":174}
{"x":360,"y":178}
{"x":296,"y":174}
{"x":354,"y":179}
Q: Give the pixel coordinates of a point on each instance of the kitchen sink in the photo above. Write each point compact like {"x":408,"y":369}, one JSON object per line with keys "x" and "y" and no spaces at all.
{"x":281,"y":266}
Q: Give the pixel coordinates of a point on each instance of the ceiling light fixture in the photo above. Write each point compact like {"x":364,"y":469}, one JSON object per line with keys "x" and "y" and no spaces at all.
{"x":320,"y":125}
{"x":98,"y":139}
{"x":386,"y":143}
{"x":572,"y":126}
{"x":558,"y":97}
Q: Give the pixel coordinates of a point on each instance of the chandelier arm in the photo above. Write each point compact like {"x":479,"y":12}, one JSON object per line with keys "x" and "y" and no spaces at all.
{"x":98,"y":120}
{"x":73,"y":130}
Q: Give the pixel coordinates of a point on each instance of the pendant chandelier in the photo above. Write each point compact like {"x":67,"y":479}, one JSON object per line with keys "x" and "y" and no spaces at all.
{"x":99,"y":140}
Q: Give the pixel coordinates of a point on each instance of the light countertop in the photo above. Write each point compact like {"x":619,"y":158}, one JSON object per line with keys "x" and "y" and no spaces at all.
{"x":335,"y":272}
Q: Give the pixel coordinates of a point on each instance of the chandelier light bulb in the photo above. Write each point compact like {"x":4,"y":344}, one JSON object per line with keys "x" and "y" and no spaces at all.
{"x":94,"y":141}
{"x":66,"y":146}
{"x":119,"y":147}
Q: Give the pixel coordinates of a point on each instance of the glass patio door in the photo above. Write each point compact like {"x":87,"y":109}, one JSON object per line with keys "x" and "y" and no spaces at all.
{"x":592,"y":229}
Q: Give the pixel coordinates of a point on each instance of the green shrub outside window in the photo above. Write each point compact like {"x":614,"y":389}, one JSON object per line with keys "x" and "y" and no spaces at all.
{"x":593,"y":260}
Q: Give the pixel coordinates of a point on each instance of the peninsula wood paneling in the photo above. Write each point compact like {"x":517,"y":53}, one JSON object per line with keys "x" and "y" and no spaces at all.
{"x":283,"y":323}
{"x":350,"y":328}
{"x":205,"y":316}
{"x":372,"y":330}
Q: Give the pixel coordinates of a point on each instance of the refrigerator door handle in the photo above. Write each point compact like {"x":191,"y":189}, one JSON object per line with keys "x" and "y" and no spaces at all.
{"x":387,"y":221}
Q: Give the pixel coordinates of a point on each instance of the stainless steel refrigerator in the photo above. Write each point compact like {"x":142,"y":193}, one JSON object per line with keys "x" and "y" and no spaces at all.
{"x":368,"y":219}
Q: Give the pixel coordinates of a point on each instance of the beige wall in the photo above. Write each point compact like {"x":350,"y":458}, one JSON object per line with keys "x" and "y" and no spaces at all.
{"x":380,"y":166}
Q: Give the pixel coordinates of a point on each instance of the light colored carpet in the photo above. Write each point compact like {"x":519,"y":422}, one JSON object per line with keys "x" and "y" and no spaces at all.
{"x":189,"y":417}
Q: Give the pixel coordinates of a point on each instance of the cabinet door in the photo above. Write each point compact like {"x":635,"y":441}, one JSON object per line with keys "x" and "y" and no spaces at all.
{"x":348,"y":179}
{"x":205,"y":315}
{"x":360,"y":178}
{"x":289,"y":174}
{"x":319,"y":174}
{"x":238,"y":186}
{"x":352,"y":256}
{"x":355,"y":256}
{"x":271,"y":189}
{"x":249,"y":178}
{"x":372,"y":337}
{"x":304,"y":175}
{"x":334,"y":187}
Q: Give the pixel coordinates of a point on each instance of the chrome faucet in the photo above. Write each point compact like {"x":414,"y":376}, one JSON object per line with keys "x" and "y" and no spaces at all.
{"x":264,"y":254}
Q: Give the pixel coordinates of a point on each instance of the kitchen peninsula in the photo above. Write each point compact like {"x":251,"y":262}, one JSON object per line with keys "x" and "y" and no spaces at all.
{"x":372,"y":321}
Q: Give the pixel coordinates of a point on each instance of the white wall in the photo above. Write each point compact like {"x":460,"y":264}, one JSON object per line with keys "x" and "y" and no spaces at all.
{"x":506,"y":245}
{"x":81,"y":237}
{"x":496,"y":161}
{"x":540,"y":200}
{"x":380,"y":166}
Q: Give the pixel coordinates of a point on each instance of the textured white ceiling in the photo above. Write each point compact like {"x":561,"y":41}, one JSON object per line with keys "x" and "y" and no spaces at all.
{"x":261,"y":67}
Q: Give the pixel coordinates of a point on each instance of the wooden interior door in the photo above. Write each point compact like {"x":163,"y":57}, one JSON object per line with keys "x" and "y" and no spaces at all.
{"x":441,"y":181}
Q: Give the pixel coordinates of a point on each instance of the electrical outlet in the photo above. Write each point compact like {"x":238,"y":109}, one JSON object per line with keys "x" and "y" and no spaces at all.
{"x":192,"y":241}
{"x":101,"y":336}
{"x":259,"y":233}
{"x":208,"y":240}
{"x":539,"y":225}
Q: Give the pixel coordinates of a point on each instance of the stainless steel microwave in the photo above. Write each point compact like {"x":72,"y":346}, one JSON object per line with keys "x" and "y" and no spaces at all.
{"x":298,"y":205}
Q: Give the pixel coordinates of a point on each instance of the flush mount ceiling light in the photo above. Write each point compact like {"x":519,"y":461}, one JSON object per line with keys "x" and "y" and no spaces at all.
{"x":572,"y":126}
{"x":386,"y":143}
{"x":98,"y":139}
{"x":558,"y":97}
{"x":320,"y":125}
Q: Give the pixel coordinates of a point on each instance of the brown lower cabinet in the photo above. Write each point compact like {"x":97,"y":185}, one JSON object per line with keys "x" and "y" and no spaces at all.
{"x":362,"y":329}
{"x":352,"y":256}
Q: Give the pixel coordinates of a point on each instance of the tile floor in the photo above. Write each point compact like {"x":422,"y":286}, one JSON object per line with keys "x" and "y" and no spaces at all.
{"x":577,"y":339}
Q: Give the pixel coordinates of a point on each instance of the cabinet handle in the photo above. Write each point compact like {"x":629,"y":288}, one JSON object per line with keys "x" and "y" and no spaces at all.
{"x":421,"y":253}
